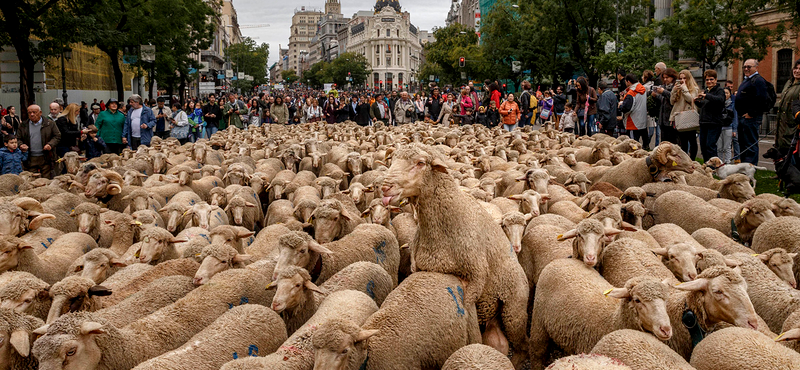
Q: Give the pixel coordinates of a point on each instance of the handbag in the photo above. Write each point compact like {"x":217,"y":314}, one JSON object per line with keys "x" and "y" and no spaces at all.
{"x":545,"y":114}
{"x":688,"y":120}
{"x":180,"y":132}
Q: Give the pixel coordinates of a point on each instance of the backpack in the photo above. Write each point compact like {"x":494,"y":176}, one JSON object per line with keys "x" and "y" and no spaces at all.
{"x":773,"y":97}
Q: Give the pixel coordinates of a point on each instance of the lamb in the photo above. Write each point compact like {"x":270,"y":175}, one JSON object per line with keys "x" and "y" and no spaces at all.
{"x":96,"y":265}
{"x":217,"y":258}
{"x":50,"y":266}
{"x":141,"y":199}
{"x":75,"y":293}
{"x":124,"y":348}
{"x":297,"y":352}
{"x":18,"y":329}
{"x":160,"y":293}
{"x":206,"y":216}
{"x":247,"y":330}
{"x":477,"y":357}
{"x":279,"y":212}
{"x":566,"y":287}
{"x":233,"y":236}
{"x":333,"y":220}
{"x":278,"y":184}
{"x":587,"y":362}
{"x":665,"y":158}
{"x":742,"y":349}
{"x":640,"y":351}
{"x":25,"y":293}
{"x":360,"y":194}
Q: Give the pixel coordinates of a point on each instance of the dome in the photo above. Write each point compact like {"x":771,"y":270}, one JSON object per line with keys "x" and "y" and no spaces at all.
{"x":380,"y":4}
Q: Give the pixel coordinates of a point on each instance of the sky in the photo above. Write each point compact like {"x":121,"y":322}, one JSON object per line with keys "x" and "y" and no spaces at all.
{"x":278,"y":14}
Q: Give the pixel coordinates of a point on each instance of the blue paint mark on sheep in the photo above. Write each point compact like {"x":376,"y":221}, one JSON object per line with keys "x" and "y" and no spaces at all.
{"x":16,"y":189}
{"x":191,"y":201}
{"x":215,"y":183}
{"x":243,"y":301}
{"x":380,"y":253}
{"x":205,"y":237}
{"x":230,"y":305}
{"x":44,"y":245}
{"x":371,"y":289}
{"x":235,"y":355}
{"x":459,"y":310}
{"x":50,"y":241}
{"x":252,"y":350}
{"x":364,"y":365}
{"x":216,"y":215}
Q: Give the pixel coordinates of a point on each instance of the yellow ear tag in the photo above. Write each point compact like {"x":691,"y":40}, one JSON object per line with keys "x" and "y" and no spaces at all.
{"x":197,"y":255}
{"x":136,"y":255}
{"x":607,"y":292}
{"x":780,"y":336}
{"x":138,"y":223}
{"x":744,"y":211}
{"x":674,"y":163}
{"x":754,"y":255}
{"x":559,"y":236}
{"x":269,"y":285}
{"x":308,"y":221}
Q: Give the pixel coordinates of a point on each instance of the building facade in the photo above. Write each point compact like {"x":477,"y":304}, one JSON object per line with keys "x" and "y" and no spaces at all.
{"x":391,"y":44}
{"x":304,"y":27}
{"x":454,"y":14}
{"x":325,"y":44}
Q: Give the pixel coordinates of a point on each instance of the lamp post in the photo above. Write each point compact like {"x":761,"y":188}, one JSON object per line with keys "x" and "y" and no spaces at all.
{"x":66,"y":54}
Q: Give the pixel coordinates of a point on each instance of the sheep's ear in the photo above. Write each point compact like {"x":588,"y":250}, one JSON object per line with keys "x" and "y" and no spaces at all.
{"x":241,"y":258}
{"x":438,"y":165}
{"x":545,"y":198}
{"x":313,"y":287}
{"x":244,"y":233}
{"x":744,"y":211}
{"x":732,"y":263}
{"x":763,"y":257}
{"x":366,"y":212}
{"x":42,"y":330}
{"x":792,"y":255}
{"x":21,"y":341}
{"x":528,"y":217}
{"x":316,"y":247}
{"x":568,"y":235}
{"x":618,"y":293}
{"x":788,"y":335}
{"x":248,"y":204}
{"x":347,"y":191}
{"x":100,"y":291}
{"x":515,"y":197}
{"x":369,"y":189}
{"x":117,"y":262}
{"x":90,"y":327}
{"x":694,"y":285}
{"x":660,"y":252}
{"x":627,"y":227}
{"x":176,"y":240}
{"x":272,"y":285}
{"x":78,"y":268}
{"x":610,"y":231}
{"x":346,"y":215}
{"x":365,"y":334}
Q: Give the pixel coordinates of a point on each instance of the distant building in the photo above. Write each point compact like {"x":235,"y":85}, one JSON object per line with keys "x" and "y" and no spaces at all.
{"x":303,"y":29}
{"x":454,"y":14}
{"x":325,"y":44}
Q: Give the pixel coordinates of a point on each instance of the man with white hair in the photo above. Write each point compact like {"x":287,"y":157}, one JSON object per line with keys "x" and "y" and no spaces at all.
{"x":138,"y":128}
{"x":55,"y":109}
{"x":659,"y":69}
{"x":751,"y":103}
{"x":41,"y":136}
{"x":404,"y":109}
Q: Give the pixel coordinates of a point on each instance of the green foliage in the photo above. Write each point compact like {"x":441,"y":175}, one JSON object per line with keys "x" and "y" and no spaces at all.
{"x":717,"y":32}
{"x":336,"y":71}
{"x":314,"y":76}
{"x":452,"y":43}
{"x":636,"y":53}
{"x":289,"y":76}
{"x":250,"y":58}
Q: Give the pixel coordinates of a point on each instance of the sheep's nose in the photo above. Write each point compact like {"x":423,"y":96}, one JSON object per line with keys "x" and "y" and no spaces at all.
{"x":197,"y":281}
{"x":666,"y":331}
{"x":753,"y":323}
{"x":692,"y":275}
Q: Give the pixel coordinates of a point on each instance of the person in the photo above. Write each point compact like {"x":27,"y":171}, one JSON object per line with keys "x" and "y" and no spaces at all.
{"x":546,"y":111}
{"x":392,"y":99}
{"x":103,"y":105}
{"x":139,"y":122}
{"x":659,"y":70}
{"x":494,"y":93}
{"x":711,"y":102}
{"x":586,"y":107}
{"x":404,"y":108}
{"x":525,"y":104}
{"x":196,"y":121}
{"x":493,"y":114}
{"x":473,"y":94}
{"x":342,"y":113}
{"x":465,"y":101}
{"x":211,"y":115}
{"x":559,"y":101}
{"x":352,"y":108}
{"x":466,"y":119}
{"x":95,"y":109}
{"x":162,"y":114}
{"x":634,"y":109}
{"x":91,"y":144}
{"x":786,"y":128}
{"x":652,"y":106}
{"x":67,"y":123}
{"x":363,"y":111}
{"x":279,"y":111}
{"x":751,"y":102}
{"x":662,"y":95}
{"x":330,"y":110}
{"x":84,"y":113}
{"x":509,"y":110}
{"x":379,"y":110}
{"x":419,"y":107}
{"x":109,"y":127}
{"x":314,"y":111}
{"x":3,"y":111}
{"x":41,"y":136}
{"x":726,"y":137}
{"x":10,"y":158}
{"x":447,"y":111}
{"x":434,"y":104}
{"x":234,"y":109}
{"x":568,"y":118}
{"x":682,"y":99}
{"x":180,"y":128}
{"x":55,"y":110}
{"x":606,"y":109}
{"x":10,"y":121}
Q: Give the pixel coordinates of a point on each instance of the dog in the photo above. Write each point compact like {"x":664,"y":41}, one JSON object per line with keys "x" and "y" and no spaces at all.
{"x":787,"y":172}
{"x":723,"y":170}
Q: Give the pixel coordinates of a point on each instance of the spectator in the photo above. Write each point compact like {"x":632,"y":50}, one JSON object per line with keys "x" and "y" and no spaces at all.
{"x":41,"y":136}
{"x":711,"y":102}
{"x":659,"y":70}
{"x":10,"y":121}
{"x":379,"y":111}
{"x":3,"y":111}
{"x":314,"y":111}
{"x":682,"y":99}
{"x":786,"y":129}
{"x":138,"y":128}
{"x":634,"y":109}
{"x":180,"y":128}
{"x":211,"y":115}
{"x":93,"y":145}
{"x":509,"y":110}
{"x":196,"y":121}
{"x":652,"y":106}
{"x":330,"y":109}
{"x":434,"y":104}
{"x":363,"y":111}
{"x":10,"y":158}
{"x":662,"y":95}
{"x":751,"y":103}
{"x":728,"y":127}
{"x":103,"y":105}
{"x":525,"y":104}
{"x":586,"y":107}
{"x":67,"y":123}
{"x":352,"y":108}
{"x":494,"y":93}
{"x":404,"y":108}
{"x":447,"y":111}
{"x":234,"y":109}
{"x":162,"y":114}
{"x":84,"y":114}
{"x":279,"y":111}
{"x":93,"y":116}
{"x":473,"y":95}
{"x":559,"y":100}
{"x":109,"y":126}
{"x":606,"y":109}
{"x":546,"y":114}
{"x":55,"y":110}
{"x":419,"y":107}
{"x":568,"y":118}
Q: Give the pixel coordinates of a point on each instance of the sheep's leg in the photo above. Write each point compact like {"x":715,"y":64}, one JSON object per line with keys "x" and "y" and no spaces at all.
{"x":538,"y":342}
{"x":473,"y":328}
{"x":493,"y":336}
{"x":515,"y":320}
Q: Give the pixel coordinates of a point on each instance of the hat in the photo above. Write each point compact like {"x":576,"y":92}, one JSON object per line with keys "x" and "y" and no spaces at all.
{"x":95,"y":106}
{"x":112,"y":100}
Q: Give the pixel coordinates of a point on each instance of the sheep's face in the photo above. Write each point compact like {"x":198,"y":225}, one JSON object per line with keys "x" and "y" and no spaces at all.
{"x":185,"y":178}
{"x":62,"y":351}
{"x":647,"y":297}
{"x":337,"y":347}
{"x":380,"y":215}
{"x":590,"y":236}
{"x":277,"y":188}
{"x":96,"y":187}
{"x":354,"y":164}
{"x":781,"y":263}
{"x":406,"y":176}
{"x":530,"y":201}
{"x":152,"y":248}
{"x":199,"y":153}
{"x":681,"y":259}
{"x":740,"y":191}
{"x":235,"y":177}
{"x":723,"y":294}
{"x":174,"y":216}
{"x":10,"y":248}
{"x":236,"y":208}
{"x":12,"y":220}
{"x":95,"y":267}
{"x":213,"y":265}
{"x":204,"y":214}
{"x":786,"y":207}
{"x":83,"y":174}
{"x":289,"y":292}
{"x":218,"y":198}
{"x":73,"y":163}
{"x":514,"y":227}
{"x":24,"y":302}
{"x":297,"y":249}
{"x":132,"y":178}
{"x":358,"y":192}
{"x":232,"y":238}
{"x":756,"y":216}
{"x":328,"y":186}
{"x":87,"y":222}
{"x":328,"y":224}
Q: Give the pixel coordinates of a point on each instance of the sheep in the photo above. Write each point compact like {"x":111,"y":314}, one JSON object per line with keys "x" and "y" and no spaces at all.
{"x":513,"y":224}
{"x":97,"y":265}
{"x":640,"y":351}
{"x":217,"y":197}
{"x":530,"y":202}
{"x":781,"y":232}
{"x":206,"y":216}
{"x":75,"y":293}
{"x":779,"y":261}
{"x":217,"y":258}
{"x":160,"y":293}
{"x":244,"y":213}
{"x":551,"y":219}
{"x":124,"y":348}
{"x":232,"y":236}
{"x":681,"y":259}
{"x":360,"y":194}
{"x":278,"y":184}
{"x":692,"y":213}
{"x":141,"y":199}
{"x":306,"y":199}
{"x":368,"y":277}
{"x":736,"y":188}
{"x":634,"y":193}
{"x":279,"y":211}
{"x":665,"y":158}
{"x":298,"y":352}
{"x":14,"y":216}
{"x":136,"y":279}
{"x":106,"y":186}
{"x":25,"y":293}
{"x":477,"y":357}
{"x":247,"y":330}
{"x":626,"y":258}
{"x":50,"y":266}
{"x":41,"y":238}
{"x":333,"y":220}
{"x":158,"y":245}
{"x":175,"y":210}
{"x":569,"y":210}
{"x":88,"y":219}
{"x":204,"y":185}
{"x":566,"y":287}
{"x":17,"y":331}
{"x":266,"y":242}
{"x":714,"y":239}
{"x":294,"y":296}
{"x":742,"y":349}
{"x":588,"y":362}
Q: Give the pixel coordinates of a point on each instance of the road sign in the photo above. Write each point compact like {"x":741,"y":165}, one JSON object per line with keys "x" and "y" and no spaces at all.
{"x":431,"y":78}
{"x":240,"y":75}
{"x":148,"y":53}
{"x":204,"y":67}
{"x":516,"y":66}
{"x":610,"y":46}
{"x":463,"y":75}
{"x":228,"y":73}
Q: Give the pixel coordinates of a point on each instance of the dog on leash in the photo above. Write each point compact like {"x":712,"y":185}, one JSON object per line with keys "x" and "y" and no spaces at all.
{"x":723,"y":170}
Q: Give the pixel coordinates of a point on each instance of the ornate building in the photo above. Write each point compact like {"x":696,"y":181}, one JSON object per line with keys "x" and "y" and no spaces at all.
{"x":325,"y":44}
{"x":391,"y":44}
{"x":304,"y":27}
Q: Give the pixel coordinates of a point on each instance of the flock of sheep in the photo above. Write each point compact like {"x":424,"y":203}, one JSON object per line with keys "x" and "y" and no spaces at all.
{"x":340,"y":247}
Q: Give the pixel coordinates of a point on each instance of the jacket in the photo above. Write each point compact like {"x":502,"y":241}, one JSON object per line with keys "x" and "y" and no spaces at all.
{"x":445,"y":113}
{"x":400,"y":108}
{"x":752,"y":96}
{"x":559,"y":101}
{"x":434,"y":105}
{"x":69,"y":132}
{"x":635,"y":107}
{"x":711,"y":107}
{"x":11,"y":162}
{"x":109,"y":126}
{"x":147,"y":118}
{"x":466,"y":102}
{"x":375,"y":111}
{"x":591,"y":94}
{"x":665,"y":105}
{"x":93,"y":148}
{"x":525,"y":101}
{"x":607,"y":108}
{"x":682,"y":100}
{"x":510,"y":117}
{"x":50,"y":136}
{"x":363,"y":114}
{"x":234,"y":117}
{"x":211,"y":109}
{"x":279,"y":113}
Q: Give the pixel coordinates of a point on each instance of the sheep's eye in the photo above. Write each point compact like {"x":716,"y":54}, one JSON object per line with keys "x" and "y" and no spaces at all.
{"x":71,"y":352}
{"x":302,"y":251}
{"x":103,"y":265}
{"x":224,"y":262}
{"x":297,"y":285}
{"x":344,"y":351}
{"x":717,"y":292}
{"x":28,"y":300}
{"x":637,"y":301}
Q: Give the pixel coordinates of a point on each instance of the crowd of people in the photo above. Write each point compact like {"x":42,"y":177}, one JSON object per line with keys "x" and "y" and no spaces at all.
{"x":660,"y":105}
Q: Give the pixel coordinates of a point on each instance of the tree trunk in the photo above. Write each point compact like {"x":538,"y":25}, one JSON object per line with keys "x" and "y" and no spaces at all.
{"x":182,"y":87}
{"x":26,"y":93}
{"x":114,"y":55}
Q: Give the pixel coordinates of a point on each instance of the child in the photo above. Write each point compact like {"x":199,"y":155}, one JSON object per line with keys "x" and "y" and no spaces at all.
{"x":568,"y":119}
{"x":481,"y":117}
{"x":93,"y":145}
{"x":466,"y":119}
{"x":493,"y":114}
{"x":10,"y":158}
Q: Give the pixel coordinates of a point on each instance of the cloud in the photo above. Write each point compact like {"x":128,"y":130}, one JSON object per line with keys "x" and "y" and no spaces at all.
{"x":278,"y":14}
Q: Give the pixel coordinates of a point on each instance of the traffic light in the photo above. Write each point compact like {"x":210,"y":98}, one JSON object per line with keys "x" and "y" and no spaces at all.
{"x":504,"y":86}
{"x":462,"y":61}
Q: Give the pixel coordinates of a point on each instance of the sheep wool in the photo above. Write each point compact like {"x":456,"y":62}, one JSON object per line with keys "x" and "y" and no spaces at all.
{"x":18,"y":328}
{"x":477,"y":357}
{"x":587,"y":362}
{"x":742,"y":349}
{"x":640,"y":351}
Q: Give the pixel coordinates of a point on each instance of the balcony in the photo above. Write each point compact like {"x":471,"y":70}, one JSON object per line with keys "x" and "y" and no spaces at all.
{"x":211,"y":55}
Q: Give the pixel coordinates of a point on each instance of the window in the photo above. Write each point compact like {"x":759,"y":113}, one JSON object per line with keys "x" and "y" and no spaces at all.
{"x":377,"y":49}
{"x":398,"y":62}
{"x":379,"y":33}
{"x":784,"y":69}
{"x":388,"y":33}
{"x":398,"y":33}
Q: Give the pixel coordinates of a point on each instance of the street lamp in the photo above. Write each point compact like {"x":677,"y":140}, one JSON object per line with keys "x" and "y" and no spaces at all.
{"x":66,"y":53}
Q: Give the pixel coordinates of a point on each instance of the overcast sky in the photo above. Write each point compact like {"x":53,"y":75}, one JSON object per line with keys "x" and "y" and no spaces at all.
{"x":425,"y":14}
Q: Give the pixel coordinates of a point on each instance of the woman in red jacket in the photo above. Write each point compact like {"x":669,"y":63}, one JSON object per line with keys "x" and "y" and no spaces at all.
{"x":509,"y":110}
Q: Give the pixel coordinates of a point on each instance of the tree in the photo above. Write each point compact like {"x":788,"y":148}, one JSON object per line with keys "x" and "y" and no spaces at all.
{"x":250,"y":58}
{"x":716,"y":32}
{"x":290,"y":76}
{"x":634,"y":54}
{"x":453,"y":42}
{"x":315,"y":76}
{"x":356,"y":64}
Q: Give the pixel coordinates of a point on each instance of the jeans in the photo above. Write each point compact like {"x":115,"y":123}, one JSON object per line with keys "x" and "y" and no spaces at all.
{"x":509,"y":128}
{"x":735,"y":140}
{"x":135,"y":142}
{"x":581,"y":127}
{"x":688,"y":142}
{"x":641,"y":134}
{"x":655,"y":131}
{"x":211,"y":130}
{"x":724,"y":145}
{"x":525,"y":120}
{"x":748,"y":138}
{"x":709,"y":135}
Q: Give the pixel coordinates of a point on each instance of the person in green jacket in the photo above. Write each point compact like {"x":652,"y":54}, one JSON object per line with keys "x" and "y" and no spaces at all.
{"x":109,"y":124}
{"x":786,"y":128}
{"x":234,"y":108}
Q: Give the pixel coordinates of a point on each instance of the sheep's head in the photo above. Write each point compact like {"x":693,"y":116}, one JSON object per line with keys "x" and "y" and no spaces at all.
{"x":144,"y":219}
{"x":327,"y":185}
{"x":217,"y":258}
{"x":96,"y":264}
{"x":634,"y":193}
{"x":73,"y":161}
{"x":781,"y":263}
{"x":753,"y":213}
{"x":530,"y":201}
{"x":24,"y":292}
{"x":201,"y":214}
{"x":199,"y":153}
{"x":235,"y":176}
{"x":358,"y":192}
{"x":10,"y":248}
{"x":230,"y":235}
{"x":290,"y":159}
{"x":601,"y":150}
{"x":634,"y":211}
{"x":218,"y":197}
{"x":277,"y":187}
{"x":236,"y":208}
{"x":73,"y":293}
{"x":184,"y":173}
{"x":591,"y":199}
{"x":133,"y":178}
{"x":580,"y":179}
{"x":590,"y":236}
{"x":412,"y":166}
{"x":723,"y":297}
{"x":648,"y":297}
{"x":737,"y":187}
{"x":670,"y":157}
{"x":681,"y":259}
{"x":378,"y":213}
{"x":513,"y":224}
{"x":536,"y":179}
{"x":786,"y":207}
{"x":297,"y":249}
{"x":329,"y":219}
{"x":337,"y":344}
{"x":155,"y":242}
{"x":103,"y":183}
{"x":15,"y":332}
{"x":173,"y":213}
{"x":291,"y":287}
{"x":712,"y":257}
{"x":354,"y":163}
{"x":88,"y":217}
{"x":86,"y":169}
{"x":70,"y":342}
